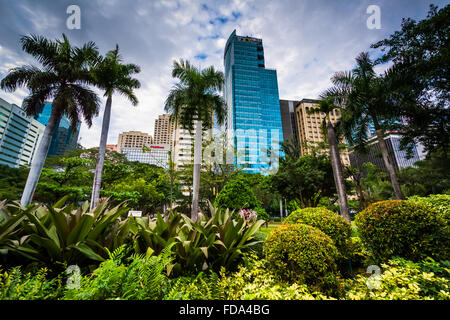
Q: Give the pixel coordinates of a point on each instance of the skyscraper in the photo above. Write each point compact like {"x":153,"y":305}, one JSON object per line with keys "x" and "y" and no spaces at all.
{"x":133,"y":139}
{"x":64,"y":137}
{"x":20,"y":135}
{"x":253,"y":122}
{"x":289,"y":120}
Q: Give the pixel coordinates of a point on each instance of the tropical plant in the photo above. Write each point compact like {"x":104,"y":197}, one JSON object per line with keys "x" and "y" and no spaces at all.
{"x":192,"y":103}
{"x":327,"y":106}
{"x":64,"y":234}
{"x":366,"y":99}
{"x":63,"y":78}
{"x":144,"y":277}
{"x":111,"y":76}
{"x":405,"y":229}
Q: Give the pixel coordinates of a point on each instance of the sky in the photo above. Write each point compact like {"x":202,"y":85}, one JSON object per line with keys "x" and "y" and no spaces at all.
{"x":306,"y":41}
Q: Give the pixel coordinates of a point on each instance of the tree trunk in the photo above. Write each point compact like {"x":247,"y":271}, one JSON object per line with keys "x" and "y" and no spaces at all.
{"x":281,"y":210}
{"x":389,"y":167}
{"x":196,"y":171}
{"x":337,"y":171}
{"x":39,"y":159}
{"x":101,"y":154}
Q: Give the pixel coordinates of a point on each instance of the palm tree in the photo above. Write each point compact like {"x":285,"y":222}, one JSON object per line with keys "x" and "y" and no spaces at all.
{"x":193,"y":102}
{"x":368,"y":99}
{"x":111,"y":76}
{"x":63,"y":78}
{"x":326,"y":106}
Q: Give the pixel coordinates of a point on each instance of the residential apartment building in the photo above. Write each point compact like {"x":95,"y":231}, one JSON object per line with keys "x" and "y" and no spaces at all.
{"x":164,"y":129}
{"x":20,"y":135}
{"x":64,"y":138}
{"x":310,"y":127}
{"x":133,"y":139}
{"x":253,"y":122}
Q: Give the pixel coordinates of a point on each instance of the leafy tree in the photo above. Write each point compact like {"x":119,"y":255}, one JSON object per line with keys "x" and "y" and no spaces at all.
{"x":111,"y":76}
{"x":193,"y":102}
{"x":420,"y":54}
{"x":12,"y":182}
{"x":306,"y":178}
{"x":63,"y":78}
{"x":236,"y":195}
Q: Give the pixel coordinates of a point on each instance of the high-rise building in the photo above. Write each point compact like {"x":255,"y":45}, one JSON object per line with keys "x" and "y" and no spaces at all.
{"x":133,"y":139}
{"x":310,"y":127}
{"x":253,"y":121}
{"x":398,"y":157}
{"x":20,"y":135}
{"x":289,"y":120}
{"x":64,"y":137}
{"x":164,"y":129}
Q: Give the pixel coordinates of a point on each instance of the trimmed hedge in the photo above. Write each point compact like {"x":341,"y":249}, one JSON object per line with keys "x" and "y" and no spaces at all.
{"x":299,"y":252}
{"x":439,"y":202}
{"x":328,"y":222}
{"x":403,"y":228}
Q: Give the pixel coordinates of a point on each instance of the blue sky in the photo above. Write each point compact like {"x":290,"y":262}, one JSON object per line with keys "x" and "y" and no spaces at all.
{"x":306,"y":41}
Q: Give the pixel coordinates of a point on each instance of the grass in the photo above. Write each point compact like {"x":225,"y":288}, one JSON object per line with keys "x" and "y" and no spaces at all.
{"x":266,"y":229}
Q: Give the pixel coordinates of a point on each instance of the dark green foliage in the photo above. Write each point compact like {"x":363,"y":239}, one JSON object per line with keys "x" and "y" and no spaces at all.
{"x":402,"y":228}
{"x":236,"y":195}
{"x":329,"y":222}
{"x":298,"y":252}
{"x":203,"y":286}
{"x":262,"y":214}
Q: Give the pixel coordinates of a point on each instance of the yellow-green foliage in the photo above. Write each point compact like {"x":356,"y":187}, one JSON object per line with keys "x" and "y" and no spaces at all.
{"x":16,"y":285}
{"x":404,"y":280}
{"x":439,"y":202}
{"x":256,"y":282}
{"x":327,"y":221}
{"x":405,"y":229}
{"x":301,"y":253}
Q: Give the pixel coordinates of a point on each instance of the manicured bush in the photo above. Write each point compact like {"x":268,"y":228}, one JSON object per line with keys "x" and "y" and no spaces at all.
{"x":332,"y":224}
{"x":405,"y":229}
{"x":262,"y":214}
{"x":299,"y":252}
{"x":439,"y":202}
{"x":403,"y":280}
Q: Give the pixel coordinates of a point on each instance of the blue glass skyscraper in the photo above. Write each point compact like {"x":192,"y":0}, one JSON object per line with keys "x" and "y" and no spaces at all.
{"x":253,"y":119}
{"x":64,"y":137}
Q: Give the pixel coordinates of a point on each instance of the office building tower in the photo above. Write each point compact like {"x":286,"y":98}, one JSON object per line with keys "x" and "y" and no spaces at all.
{"x":65,"y":138}
{"x":133,"y":139}
{"x":164,"y":129}
{"x":253,"y":123}
{"x":310,"y":131}
{"x":20,"y":135}
{"x":398,"y":157}
{"x":155,"y":154}
{"x":289,"y":120}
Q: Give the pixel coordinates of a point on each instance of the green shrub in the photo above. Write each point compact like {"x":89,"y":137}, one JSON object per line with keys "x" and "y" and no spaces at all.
{"x":359,"y":256}
{"x":143,"y":278}
{"x":299,"y":252}
{"x":15,"y":285}
{"x":405,"y":229}
{"x":439,"y":202}
{"x":256,"y":282}
{"x":404,"y":280}
{"x":329,"y":222}
{"x":262,"y":214}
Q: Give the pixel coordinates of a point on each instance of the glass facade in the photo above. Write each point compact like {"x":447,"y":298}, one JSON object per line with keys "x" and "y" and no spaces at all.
{"x":253,"y":122}
{"x":64,"y":138}
{"x":155,"y":154}
{"x":20,"y":135}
